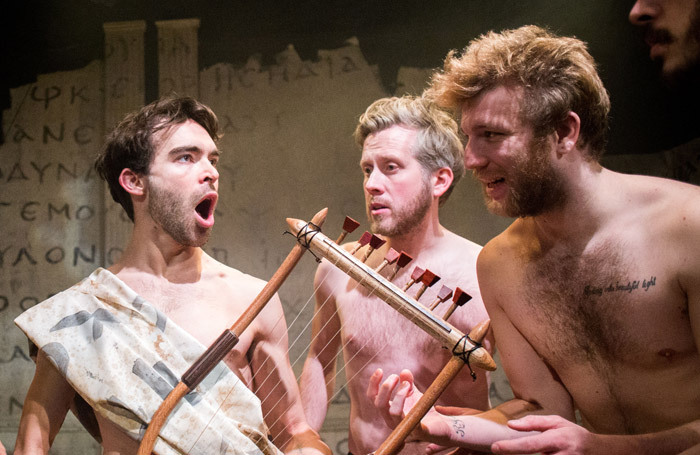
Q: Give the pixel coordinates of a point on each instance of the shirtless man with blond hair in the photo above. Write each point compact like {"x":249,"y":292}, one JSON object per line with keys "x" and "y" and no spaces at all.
{"x":411,"y":160}
{"x":594,"y":291}
{"x":161,"y":165}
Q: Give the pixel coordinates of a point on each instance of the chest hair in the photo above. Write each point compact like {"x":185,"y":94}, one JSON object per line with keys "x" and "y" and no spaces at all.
{"x":565,"y":293}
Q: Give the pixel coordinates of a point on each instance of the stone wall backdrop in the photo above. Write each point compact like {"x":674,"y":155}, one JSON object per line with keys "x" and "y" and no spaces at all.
{"x":287,"y":112}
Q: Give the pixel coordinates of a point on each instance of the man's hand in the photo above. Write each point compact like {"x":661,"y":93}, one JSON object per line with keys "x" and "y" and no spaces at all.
{"x":559,"y":436}
{"x":395,"y":397}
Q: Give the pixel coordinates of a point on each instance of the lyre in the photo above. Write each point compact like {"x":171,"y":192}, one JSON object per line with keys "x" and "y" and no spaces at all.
{"x":466,"y":349}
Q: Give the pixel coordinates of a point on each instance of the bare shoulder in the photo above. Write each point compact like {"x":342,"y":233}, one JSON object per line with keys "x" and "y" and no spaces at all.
{"x":667,"y":204}
{"x":461,"y":245}
{"x":501,"y":259}
{"x":243,"y":283}
{"x":504,"y":247}
{"x":648,"y":189}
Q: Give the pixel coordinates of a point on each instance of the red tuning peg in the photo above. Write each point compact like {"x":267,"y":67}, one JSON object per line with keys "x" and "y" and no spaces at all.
{"x":401,"y":262}
{"x":349,"y":225}
{"x":444,"y":294}
{"x":415,"y":276}
{"x":364,"y":240}
{"x":428,"y":279}
{"x":391,"y":256}
{"x":460,"y":298}
{"x":374,"y":243}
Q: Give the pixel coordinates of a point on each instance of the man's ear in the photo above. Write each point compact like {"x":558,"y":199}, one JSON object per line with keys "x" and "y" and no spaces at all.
{"x":567,"y":133}
{"x":132,"y":182}
{"x":442,"y":179}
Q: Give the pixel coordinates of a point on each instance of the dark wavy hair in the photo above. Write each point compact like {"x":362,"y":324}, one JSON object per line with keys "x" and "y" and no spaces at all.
{"x":131,"y":144}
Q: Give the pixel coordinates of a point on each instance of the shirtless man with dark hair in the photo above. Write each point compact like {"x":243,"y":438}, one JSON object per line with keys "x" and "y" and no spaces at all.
{"x":161,"y":165}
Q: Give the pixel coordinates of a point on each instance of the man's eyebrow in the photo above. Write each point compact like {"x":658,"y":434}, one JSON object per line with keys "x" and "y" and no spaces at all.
{"x":194,"y":149}
{"x":184,"y":148}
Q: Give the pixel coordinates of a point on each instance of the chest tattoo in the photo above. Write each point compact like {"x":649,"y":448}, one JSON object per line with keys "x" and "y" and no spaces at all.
{"x":583,"y":299}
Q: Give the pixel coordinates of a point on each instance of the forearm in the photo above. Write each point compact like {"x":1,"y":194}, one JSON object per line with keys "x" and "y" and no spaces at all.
{"x":45,"y":408}
{"x":316,"y":391}
{"x":474,"y":429}
{"x":32,"y":435}
{"x":478,"y":430}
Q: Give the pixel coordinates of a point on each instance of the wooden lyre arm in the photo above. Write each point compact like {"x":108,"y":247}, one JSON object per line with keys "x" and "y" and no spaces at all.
{"x":228,"y":339}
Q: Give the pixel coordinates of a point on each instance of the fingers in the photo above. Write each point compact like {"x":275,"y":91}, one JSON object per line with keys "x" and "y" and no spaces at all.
{"x":406,"y":375}
{"x":374,"y":381}
{"x":528,"y":444}
{"x":558,"y":435}
{"x":399,"y":398}
{"x":432,"y":449}
{"x":386,"y":390}
{"x":539,"y":423}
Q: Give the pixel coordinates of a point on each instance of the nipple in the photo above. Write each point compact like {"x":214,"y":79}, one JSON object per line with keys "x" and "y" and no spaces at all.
{"x":668,"y":353}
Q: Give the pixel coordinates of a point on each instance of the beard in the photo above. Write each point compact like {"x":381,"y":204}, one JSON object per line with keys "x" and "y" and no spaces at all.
{"x":174,"y":215}
{"x":404,"y":217}
{"x":685,"y":76}
{"x":535,"y":187}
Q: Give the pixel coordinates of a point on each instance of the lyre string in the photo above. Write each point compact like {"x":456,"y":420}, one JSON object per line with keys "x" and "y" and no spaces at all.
{"x":294,"y":323}
{"x":308,"y":235}
{"x":297,"y":360}
{"x":340,"y":370}
{"x":302,"y":233}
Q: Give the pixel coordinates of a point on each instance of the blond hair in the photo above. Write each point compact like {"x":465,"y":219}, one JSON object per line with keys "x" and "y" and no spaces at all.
{"x":437,"y":142}
{"x":557,"y":75}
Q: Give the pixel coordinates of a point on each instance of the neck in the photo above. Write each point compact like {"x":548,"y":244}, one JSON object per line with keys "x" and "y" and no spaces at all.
{"x":422,"y":237}
{"x":152,"y":251}
{"x":582,"y":212}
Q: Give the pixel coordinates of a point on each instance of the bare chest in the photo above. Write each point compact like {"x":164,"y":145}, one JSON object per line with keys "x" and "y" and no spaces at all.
{"x":205,"y":315}
{"x":607,"y":307}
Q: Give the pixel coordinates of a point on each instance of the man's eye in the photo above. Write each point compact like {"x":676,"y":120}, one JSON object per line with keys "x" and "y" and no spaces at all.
{"x":492,"y":134}
{"x":185,"y":158}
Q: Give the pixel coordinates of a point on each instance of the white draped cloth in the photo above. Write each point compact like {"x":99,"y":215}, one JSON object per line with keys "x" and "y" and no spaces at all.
{"x":123,"y":357}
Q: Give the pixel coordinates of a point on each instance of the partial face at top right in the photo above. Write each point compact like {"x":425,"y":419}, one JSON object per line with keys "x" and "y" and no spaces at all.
{"x":672,"y":32}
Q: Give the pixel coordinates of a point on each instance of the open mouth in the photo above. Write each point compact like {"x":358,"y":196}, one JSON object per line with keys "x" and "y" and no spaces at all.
{"x":205,"y":210}
{"x":376,"y":207}
{"x":493,"y":183}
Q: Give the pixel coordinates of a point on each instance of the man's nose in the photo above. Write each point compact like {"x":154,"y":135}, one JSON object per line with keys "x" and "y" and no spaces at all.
{"x":373,"y":182}
{"x":473,"y":159}
{"x":210,"y":174}
{"x":643,"y":11}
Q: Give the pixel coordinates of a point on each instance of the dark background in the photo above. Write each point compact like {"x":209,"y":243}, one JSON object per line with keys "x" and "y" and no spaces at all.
{"x":52,"y":35}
